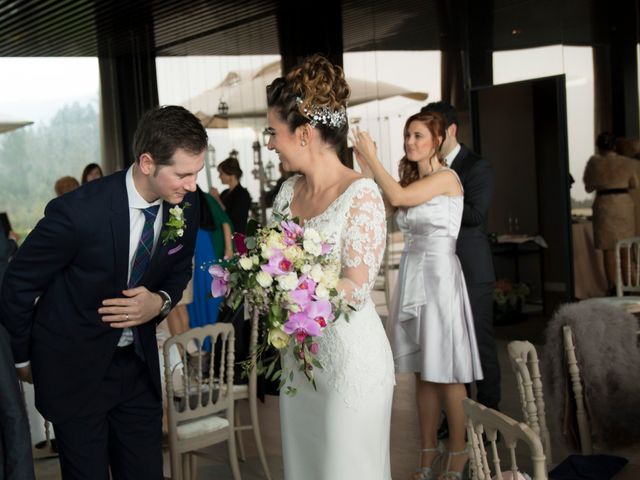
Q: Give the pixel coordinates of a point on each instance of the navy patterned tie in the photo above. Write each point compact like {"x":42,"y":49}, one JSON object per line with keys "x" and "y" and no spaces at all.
{"x":141,"y":262}
{"x":145,"y":245}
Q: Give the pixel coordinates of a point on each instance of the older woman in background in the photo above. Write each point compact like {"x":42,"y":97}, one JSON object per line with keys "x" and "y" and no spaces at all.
{"x":611,"y":176}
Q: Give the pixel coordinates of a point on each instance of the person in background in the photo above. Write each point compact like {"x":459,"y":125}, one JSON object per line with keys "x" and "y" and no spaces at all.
{"x":8,"y":246}
{"x":270,"y":196}
{"x":430,"y":324}
{"x":16,"y":461}
{"x":64,"y":185}
{"x":236,"y":200}
{"x":213,"y":242}
{"x":91,"y":172}
{"x":611,"y":176}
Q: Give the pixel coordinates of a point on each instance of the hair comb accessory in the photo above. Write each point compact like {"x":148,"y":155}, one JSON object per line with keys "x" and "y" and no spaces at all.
{"x":324,"y":115}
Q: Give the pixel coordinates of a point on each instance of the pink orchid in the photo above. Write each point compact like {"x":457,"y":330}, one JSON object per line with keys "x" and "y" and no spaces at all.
{"x":292,"y":231}
{"x":325,"y":248}
{"x":302,"y":326}
{"x":278,"y":265}
{"x":320,"y":311}
{"x":303,"y":294}
{"x":220,"y":283}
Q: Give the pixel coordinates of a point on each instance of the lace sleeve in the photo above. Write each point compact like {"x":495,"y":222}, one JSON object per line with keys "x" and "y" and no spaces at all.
{"x":283,"y":198}
{"x":363,"y":243}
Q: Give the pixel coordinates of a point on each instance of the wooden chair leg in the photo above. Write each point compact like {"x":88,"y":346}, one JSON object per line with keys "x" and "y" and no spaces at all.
{"x":241,"y":451}
{"x":233,"y":457}
{"x":193,"y":466}
{"x":255,"y":423}
{"x":186,"y":471}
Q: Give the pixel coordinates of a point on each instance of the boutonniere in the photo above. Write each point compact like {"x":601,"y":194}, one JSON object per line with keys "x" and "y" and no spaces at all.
{"x":175,"y":226}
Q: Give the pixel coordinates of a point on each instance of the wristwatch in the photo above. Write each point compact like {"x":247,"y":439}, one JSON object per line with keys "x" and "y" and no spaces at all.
{"x":166,"y":303}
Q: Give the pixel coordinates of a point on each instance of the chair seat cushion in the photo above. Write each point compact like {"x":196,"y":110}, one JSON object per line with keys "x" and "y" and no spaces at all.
{"x":201,"y":426}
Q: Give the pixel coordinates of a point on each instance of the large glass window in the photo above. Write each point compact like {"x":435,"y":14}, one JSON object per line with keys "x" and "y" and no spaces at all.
{"x":398,"y":84}
{"x":207,"y":85}
{"x":577,"y":64}
{"x":61,"y":97}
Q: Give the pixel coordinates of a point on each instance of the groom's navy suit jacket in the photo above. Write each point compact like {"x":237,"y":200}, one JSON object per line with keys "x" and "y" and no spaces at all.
{"x":76,"y":257}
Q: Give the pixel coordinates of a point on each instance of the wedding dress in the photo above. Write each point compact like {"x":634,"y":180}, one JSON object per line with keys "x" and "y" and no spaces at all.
{"x":341,"y":431}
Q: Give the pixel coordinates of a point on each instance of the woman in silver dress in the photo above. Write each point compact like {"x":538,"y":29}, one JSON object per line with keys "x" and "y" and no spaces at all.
{"x":430,"y":322}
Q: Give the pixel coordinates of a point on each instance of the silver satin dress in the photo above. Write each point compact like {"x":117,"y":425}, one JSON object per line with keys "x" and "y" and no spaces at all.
{"x":430,"y":324}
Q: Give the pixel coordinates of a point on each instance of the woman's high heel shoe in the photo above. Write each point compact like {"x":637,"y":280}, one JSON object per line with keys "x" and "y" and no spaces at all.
{"x":450,"y":474}
{"x":427,"y":473}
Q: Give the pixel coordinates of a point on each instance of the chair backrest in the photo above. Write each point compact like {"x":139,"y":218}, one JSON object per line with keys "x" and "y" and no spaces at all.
{"x":582,"y":417}
{"x":481,"y":419}
{"x":627,"y":265}
{"x":525,"y":365}
{"x":199,"y":391}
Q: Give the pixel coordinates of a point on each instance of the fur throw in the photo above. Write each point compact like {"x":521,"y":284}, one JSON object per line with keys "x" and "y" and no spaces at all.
{"x":606,"y":343}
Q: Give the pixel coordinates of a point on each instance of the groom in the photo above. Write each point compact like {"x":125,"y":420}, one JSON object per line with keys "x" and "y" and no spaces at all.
{"x":83,"y":295}
{"x":474,"y":250}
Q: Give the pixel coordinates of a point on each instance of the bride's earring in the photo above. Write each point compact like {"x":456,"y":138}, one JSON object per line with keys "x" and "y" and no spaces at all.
{"x":303,"y":143}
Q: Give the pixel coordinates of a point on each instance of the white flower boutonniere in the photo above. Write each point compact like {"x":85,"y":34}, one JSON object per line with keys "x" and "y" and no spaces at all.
{"x":175,"y":226}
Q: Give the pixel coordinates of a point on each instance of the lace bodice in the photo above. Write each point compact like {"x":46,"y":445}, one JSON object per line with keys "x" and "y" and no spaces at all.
{"x":355,"y":355}
{"x":355,"y":225}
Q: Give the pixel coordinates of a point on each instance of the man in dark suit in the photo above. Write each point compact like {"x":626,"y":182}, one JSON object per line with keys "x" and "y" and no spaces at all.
{"x":473,"y":248}
{"x":83,"y":295}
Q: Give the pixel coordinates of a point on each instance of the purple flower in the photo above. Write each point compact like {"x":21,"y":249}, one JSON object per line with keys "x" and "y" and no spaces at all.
{"x":304,"y":292}
{"x":291,"y":232}
{"x":220,"y":283}
{"x":278,"y":265}
{"x":325,"y":248}
{"x":320,"y":311}
{"x":302,"y":326}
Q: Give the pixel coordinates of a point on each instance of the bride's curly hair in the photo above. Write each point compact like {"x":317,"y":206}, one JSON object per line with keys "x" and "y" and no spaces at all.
{"x":317,"y":83}
{"x":437,"y":126}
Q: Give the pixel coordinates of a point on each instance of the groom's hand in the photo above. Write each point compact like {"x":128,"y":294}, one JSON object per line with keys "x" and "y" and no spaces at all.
{"x":138,"y":306}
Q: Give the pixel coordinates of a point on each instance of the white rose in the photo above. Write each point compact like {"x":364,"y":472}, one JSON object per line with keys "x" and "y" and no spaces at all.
{"x":176,"y":212}
{"x":306,"y":268}
{"x":330,"y":278}
{"x":255,"y":259}
{"x":288,"y":282}
{"x":265,"y":251}
{"x":316,"y":273}
{"x":264,"y":279}
{"x":312,"y":235}
{"x":180,"y":232}
{"x":292,"y":253}
{"x":321,"y":291}
{"x":246,"y":263}
{"x":314,"y":248}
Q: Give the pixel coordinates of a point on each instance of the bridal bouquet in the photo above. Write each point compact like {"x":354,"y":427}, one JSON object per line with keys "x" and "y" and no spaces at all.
{"x":287,"y":276}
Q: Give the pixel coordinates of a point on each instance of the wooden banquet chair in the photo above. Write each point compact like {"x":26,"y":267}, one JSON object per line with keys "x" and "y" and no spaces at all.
{"x":526,"y":367}
{"x":480,"y":419}
{"x":627,"y":277}
{"x":249,"y":392}
{"x":200,"y":402}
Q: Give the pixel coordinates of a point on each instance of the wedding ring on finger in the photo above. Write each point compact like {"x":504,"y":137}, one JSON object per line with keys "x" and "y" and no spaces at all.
{"x":126,"y":317}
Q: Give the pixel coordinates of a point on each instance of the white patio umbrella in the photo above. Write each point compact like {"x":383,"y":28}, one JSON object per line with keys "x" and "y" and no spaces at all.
{"x":244,"y":92}
{"x":8,"y":124}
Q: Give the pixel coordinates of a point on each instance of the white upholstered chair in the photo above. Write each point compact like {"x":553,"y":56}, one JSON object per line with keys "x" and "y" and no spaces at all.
{"x":481,"y":419}
{"x":249,"y":392}
{"x":200,"y":401}
{"x":525,"y":365}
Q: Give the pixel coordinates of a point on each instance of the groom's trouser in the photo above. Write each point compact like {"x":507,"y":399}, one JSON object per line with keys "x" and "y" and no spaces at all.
{"x":120,"y":428}
{"x":481,"y":299}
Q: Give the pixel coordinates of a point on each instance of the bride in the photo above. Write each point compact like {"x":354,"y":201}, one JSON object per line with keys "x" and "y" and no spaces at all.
{"x":340,"y":431}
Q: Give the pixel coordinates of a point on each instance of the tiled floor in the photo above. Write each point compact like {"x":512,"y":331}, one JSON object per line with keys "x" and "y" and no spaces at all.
{"x":404,"y":431}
